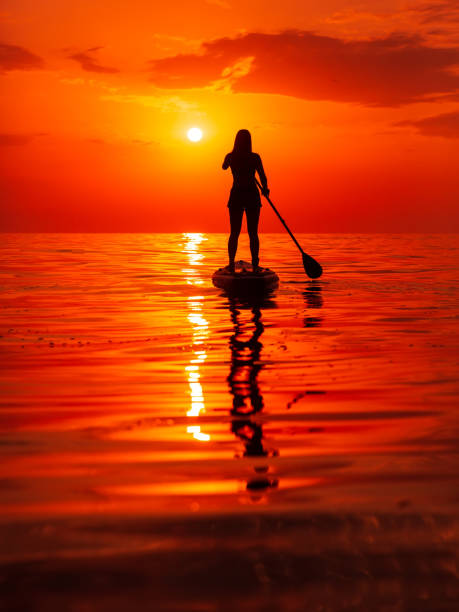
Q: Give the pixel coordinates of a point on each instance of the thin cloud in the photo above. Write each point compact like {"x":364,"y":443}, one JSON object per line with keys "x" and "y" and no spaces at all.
{"x":445,"y":125}
{"x":389,"y":71}
{"x":144,"y":143}
{"x":161,"y":102}
{"x":88,"y":62}
{"x":426,"y":13}
{"x":13,"y":57}
{"x":434,"y":12}
{"x":436,"y":21}
{"x":17,"y":140}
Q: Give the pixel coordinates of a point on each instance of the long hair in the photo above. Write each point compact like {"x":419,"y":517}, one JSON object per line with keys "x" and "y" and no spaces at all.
{"x":242,"y":143}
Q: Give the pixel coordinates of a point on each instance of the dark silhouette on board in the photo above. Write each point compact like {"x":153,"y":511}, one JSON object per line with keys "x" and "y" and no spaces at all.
{"x":245,"y":346}
{"x":244,"y":195}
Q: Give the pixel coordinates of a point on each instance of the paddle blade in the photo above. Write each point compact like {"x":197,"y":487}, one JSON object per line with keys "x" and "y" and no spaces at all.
{"x":312,"y":267}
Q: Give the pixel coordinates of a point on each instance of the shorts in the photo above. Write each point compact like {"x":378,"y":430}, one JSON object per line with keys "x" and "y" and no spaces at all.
{"x":244,"y":197}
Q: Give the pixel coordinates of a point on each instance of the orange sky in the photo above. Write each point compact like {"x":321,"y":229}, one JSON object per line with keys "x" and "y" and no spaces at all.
{"x":354,"y":108}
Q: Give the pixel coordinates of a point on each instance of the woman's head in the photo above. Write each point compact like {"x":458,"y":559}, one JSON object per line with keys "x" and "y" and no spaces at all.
{"x":243,"y":142}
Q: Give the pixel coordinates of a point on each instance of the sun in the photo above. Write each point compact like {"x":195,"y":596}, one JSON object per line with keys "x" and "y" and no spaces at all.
{"x":194,"y":134}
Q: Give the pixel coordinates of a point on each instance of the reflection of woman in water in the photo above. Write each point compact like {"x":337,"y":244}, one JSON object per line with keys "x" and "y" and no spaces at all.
{"x":243,"y":384}
{"x":243,"y":381}
{"x":244,"y":194}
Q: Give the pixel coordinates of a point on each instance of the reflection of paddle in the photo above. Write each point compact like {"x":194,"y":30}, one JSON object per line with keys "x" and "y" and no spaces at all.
{"x":312,"y":267}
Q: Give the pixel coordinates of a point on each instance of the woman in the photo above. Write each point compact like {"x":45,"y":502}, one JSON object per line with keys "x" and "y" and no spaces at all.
{"x":244,"y":194}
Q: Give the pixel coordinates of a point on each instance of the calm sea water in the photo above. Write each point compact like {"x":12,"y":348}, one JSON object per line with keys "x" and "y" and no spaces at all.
{"x":202,"y":450}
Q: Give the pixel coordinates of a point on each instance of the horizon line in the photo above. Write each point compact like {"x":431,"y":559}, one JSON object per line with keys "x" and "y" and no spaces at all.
{"x":5,"y":232}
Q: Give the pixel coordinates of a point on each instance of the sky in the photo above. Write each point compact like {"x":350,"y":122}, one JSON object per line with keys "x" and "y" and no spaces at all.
{"x":353,"y":107}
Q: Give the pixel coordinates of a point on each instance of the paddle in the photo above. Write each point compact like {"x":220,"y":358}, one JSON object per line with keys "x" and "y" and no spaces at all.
{"x":312,"y":267}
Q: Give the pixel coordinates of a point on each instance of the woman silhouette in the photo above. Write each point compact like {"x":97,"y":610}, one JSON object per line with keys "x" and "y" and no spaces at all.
{"x":244,"y":194}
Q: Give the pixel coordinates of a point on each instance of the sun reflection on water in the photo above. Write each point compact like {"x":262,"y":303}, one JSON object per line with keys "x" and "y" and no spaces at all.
{"x":194,"y":258}
{"x":200,"y":328}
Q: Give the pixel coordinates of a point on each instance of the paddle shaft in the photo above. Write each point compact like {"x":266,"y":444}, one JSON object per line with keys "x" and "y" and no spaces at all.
{"x":280,"y":218}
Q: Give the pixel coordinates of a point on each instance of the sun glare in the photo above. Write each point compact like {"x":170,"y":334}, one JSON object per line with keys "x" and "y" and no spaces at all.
{"x":194,"y":134}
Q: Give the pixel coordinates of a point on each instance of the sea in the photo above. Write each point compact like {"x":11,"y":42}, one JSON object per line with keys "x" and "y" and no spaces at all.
{"x":165,"y":446}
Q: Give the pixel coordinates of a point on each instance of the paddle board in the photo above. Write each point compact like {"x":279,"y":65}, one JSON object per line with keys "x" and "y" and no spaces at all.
{"x":244,"y":279}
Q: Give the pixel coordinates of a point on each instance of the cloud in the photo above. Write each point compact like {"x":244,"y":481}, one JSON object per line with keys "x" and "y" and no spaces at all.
{"x":13,"y":57}
{"x":434,"y":12}
{"x":426,"y":13}
{"x":133,"y":141}
{"x":143,"y":143}
{"x":423,"y":14}
{"x":232,"y":73}
{"x":14,"y":140}
{"x":390,"y":71}
{"x":88,"y":62}
{"x":161,"y":102}
{"x":167,"y":43}
{"x":445,"y":125}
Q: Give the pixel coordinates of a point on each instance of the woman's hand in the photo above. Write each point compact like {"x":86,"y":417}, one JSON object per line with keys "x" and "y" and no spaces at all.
{"x":265,"y":192}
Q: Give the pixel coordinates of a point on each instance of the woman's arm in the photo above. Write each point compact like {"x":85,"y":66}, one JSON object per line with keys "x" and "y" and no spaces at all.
{"x":226,"y":161}
{"x":262,"y":175}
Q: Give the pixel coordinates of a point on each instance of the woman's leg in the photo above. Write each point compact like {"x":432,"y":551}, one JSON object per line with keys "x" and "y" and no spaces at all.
{"x":253,"y":215}
{"x":236,"y":224}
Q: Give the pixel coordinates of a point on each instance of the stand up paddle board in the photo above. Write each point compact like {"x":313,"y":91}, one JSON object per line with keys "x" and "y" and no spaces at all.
{"x":244,"y":279}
